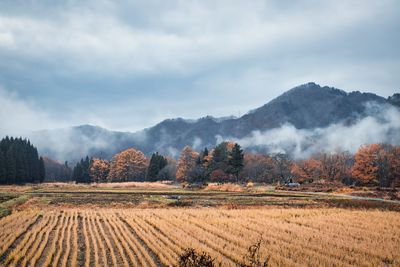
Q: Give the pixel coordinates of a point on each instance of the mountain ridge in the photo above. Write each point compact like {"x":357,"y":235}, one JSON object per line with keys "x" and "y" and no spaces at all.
{"x":306,"y":106}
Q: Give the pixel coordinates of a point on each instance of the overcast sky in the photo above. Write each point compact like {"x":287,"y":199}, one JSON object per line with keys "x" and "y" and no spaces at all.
{"x":126,"y":65}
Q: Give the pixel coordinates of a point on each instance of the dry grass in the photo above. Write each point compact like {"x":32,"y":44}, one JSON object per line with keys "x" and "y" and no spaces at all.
{"x":155,"y":185}
{"x":134,"y":237}
{"x":101,"y":186}
{"x":228,"y":187}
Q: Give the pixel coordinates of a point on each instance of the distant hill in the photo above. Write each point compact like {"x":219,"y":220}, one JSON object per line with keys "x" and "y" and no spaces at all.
{"x":306,"y":106}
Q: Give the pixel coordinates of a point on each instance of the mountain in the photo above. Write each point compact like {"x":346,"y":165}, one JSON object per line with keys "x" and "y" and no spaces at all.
{"x":307,"y":106}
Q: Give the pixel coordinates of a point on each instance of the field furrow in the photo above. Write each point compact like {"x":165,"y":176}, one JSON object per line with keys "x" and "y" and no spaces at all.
{"x":151,"y":256}
{"x":156,"y":237}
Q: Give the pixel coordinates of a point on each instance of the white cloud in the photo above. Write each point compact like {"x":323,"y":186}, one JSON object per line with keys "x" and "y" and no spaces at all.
{"x":231,"y":56}
{"x":187,"y":37}
{"x":382,"y":126}
{"x":18,"y":117}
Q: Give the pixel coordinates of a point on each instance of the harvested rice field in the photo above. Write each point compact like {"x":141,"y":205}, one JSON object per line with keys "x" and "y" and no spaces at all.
{"x":156,"y":237}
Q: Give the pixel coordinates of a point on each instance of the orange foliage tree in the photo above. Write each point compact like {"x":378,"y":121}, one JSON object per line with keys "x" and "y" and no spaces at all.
{"x":128,"y":165}
{"x":308,"y":170}
{"x":365,"y":168}
{"x":99,"y":170}
{"x":377,"y":164}
{"x":186,"y":163}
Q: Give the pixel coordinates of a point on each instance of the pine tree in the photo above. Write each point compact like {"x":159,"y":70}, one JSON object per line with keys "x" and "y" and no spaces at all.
{"x":10,"y":166}
{"x":235,"y":162}
{"x":157,"y":163}
{"x":2,"y":168}
{"x":81,"y":173}
{"x":19,"y":161}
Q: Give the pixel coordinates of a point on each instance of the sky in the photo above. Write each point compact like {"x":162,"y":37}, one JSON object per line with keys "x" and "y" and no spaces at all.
{"x":127,"y":65}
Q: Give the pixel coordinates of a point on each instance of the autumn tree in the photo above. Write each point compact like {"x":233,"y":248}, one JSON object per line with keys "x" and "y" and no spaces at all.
{"x":395,"y":163}
{"x":258,"y":168}
{"x":99,"y":170}
{"x":307,"y":170}
{"x":334,"y":167}
{"x":377,"y":164}
{"x":207,"y":158}
{"x":366,"y":168}
{"x":128,"y":165}
{"x":186,"y":163}
{"x":388,"y":161}
{"x":282,"y":170}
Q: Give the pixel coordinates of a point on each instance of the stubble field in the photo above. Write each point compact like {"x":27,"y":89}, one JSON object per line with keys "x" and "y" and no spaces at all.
{"x":155,"y":237}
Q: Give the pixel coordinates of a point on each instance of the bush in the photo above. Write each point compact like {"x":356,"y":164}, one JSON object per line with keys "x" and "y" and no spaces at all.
{"x":253,"y":257}
{"x":192,"y":258}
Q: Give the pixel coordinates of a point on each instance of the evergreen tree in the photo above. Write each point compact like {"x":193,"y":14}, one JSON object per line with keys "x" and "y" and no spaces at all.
{"x":2,"y":168}
{"x":157,"y":163}
{"x":19,"y":161}
{"x":220,"y":157}
{"x":220,"y":154}
{"x":81,"y":173}
{"x":235,"y":162}
{"x":198,"y":160}
{"x":10,"y":166}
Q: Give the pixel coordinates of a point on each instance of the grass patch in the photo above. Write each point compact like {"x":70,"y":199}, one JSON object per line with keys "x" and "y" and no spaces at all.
{"x":6,"y":207}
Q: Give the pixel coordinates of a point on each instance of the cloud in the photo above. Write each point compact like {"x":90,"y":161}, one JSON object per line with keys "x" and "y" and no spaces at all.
{"x":18,"y":117}
{"x":381,"y":126}
{"x":168,"y":59}
{"x":184,"y":37}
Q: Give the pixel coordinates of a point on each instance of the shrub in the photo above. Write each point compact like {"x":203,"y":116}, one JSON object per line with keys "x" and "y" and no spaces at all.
{"x":253,"y":257}
{"x":192,"y":258}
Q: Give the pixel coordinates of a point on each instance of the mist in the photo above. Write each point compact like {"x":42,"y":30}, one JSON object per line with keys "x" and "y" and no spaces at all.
{"x":382,"y":125}
{"x":19,"y":117}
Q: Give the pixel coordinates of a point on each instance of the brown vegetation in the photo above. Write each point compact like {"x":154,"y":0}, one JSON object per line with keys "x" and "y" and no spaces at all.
{"x":126,"y":237}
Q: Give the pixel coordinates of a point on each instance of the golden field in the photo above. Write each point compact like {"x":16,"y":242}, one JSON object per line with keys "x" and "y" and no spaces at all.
{"x":155,"y":237}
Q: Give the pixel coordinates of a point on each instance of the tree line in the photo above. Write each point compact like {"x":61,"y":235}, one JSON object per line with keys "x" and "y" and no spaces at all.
{"x":20,"y":162}
{"x":373,"y":164}
{"x":128,"y":165}
{"x":192,"y":167}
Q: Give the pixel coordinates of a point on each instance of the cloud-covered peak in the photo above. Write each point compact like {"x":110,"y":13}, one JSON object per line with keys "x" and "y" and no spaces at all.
{"x":97,"y":61}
